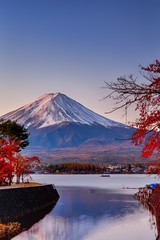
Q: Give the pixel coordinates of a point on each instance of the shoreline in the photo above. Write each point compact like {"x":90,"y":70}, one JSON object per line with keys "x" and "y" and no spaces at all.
{"x":150,"y":198}
{"x":16,"y":201}
{"x":22,"y":202}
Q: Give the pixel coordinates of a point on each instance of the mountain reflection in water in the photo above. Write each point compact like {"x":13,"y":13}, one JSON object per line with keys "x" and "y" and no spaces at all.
{"x":84,"y":214}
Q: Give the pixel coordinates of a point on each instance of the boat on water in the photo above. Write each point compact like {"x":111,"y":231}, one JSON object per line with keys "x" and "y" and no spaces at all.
{"x":105,"y":175}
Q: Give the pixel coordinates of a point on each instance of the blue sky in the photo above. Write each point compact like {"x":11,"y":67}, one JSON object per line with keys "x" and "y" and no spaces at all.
{"x":73,"y":46}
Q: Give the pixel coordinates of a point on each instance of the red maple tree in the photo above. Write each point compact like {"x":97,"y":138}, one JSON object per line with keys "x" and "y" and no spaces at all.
{"x":23,"y":164}
{"x":145,"y":96}
{"x":6,"y":170}
{"x":8,"y":148}
{"x":13,"y":137}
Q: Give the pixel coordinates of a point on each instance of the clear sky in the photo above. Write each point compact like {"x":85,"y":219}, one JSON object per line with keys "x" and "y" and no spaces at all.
{"x":72,"y":47}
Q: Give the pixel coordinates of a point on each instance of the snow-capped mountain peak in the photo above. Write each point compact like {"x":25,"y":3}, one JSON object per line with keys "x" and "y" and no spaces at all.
{"x":54,"y":108}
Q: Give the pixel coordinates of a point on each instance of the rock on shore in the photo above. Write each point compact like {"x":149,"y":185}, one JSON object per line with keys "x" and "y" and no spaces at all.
{"x":151,"y":198}
{"x":154,"y":201}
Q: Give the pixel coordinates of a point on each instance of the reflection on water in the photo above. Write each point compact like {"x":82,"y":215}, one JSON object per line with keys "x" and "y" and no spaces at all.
{"x":83,"y":213}
{"x":130,"y":227}
{"x":28,"y":220}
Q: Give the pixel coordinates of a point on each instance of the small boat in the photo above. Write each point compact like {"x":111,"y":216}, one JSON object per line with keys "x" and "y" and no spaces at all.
{"x":105,"y":175}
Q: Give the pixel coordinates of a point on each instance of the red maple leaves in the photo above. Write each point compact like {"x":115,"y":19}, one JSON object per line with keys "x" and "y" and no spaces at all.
{"x":23,"y":164}
{"x":127,"y":91}
{"x":11,"y":162}
{"x":148,"y":104}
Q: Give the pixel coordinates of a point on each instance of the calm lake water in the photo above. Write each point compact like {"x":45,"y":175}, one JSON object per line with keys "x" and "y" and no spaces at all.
{"x":94,"y":208}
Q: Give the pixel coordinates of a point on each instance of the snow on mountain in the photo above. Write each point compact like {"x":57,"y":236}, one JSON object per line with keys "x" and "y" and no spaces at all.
{"x":52,"y":109}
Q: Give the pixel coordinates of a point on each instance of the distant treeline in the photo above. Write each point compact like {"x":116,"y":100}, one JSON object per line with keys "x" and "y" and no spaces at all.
{"x":92,"y":168}
{"x":74,"y":168}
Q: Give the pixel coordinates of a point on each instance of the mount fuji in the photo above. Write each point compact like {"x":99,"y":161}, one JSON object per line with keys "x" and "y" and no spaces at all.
{"x":53,"y":109}
{"x":59,"y":125}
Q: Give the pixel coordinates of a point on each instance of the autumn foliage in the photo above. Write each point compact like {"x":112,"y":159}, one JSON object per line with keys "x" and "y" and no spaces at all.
{"x":10,"y":230}
{"x":23,"y":164}
{"x":145,"y":97}
{"x":79,"y":168}
{"x":8,"y":149}
{"x":13,"y":137}
{"x":148,"y":124}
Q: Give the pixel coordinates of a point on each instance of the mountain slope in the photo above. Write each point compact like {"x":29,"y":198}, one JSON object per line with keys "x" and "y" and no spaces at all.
{"x":52,"y":109}
{"x":58,"y":123}
{"x":77,"y":135}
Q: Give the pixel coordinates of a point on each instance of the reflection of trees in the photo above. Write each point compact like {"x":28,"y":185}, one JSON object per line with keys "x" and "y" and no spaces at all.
{"x":58,"y":228}
{"x":28,"y":220}
{"x":52,"y":228}
{"x":78,"y":212}
{"x":154,"y":207}
{"x":152,"y":219}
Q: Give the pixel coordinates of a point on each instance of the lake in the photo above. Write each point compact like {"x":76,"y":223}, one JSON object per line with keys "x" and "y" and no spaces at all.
{"x":94,"y":208}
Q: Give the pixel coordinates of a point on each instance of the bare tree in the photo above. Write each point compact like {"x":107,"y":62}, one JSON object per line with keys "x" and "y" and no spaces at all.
{"x":126,"y":91}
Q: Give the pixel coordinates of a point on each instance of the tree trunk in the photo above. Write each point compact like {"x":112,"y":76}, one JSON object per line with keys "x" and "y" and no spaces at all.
{"x":18,"y":179}
{"x":10,"y":181}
